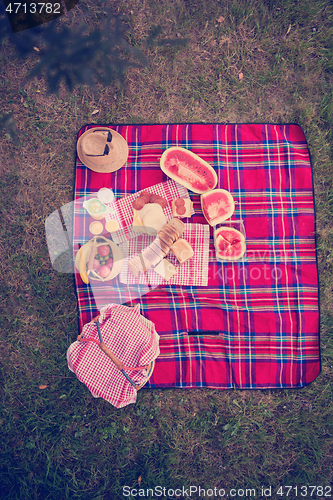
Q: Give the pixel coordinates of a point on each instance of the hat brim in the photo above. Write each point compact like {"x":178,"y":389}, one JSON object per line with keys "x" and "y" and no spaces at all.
{"x":108,"y":166}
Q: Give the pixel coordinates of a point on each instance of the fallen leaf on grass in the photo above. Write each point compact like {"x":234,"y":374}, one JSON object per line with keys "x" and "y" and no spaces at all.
{"x":42,"y":387}
{"x":220,"y":19}
{"x":240,"y":76}
{"x":139,"y":480}
{"x":95,"y":112}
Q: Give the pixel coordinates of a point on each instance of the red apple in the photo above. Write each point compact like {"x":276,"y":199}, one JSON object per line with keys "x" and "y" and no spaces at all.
{"x":104,"y":250}
{"x":104,"y":271}
{"x":109,"y":262}
{"x":96,"y":264}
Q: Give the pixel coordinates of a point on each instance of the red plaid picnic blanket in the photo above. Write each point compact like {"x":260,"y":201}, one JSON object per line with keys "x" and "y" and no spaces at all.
{"x":256,"y":323}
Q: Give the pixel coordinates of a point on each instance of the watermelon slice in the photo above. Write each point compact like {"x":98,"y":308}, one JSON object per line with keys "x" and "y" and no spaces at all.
{"x":217,"y":206}
{"x":188,"y":169}
{"x":229,"y":243}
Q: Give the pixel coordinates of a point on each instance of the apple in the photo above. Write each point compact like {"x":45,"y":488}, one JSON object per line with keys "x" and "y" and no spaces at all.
{"x":103,"y":250}
{"x":109,"y":262}
{"x":104,"y":271}
{"x":96,"y":264}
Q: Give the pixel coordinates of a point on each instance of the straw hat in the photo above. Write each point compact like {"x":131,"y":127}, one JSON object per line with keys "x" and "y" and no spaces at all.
{"x":102,"y":149}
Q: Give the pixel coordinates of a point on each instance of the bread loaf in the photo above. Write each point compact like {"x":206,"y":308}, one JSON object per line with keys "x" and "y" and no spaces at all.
{"x":136,"y":265}
{"x":160,"y":247}
{"x":152,"y":255}
{"x":172,"y":231}
{"x":166,"y":238}
{"x":178,"y":225}
{"x":148,"y":258}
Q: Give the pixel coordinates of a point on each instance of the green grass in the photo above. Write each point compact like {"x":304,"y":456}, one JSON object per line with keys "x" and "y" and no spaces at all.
{"x":60,"y":442}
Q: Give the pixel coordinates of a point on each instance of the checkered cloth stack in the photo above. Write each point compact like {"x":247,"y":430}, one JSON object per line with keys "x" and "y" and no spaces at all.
{"x":134,"y":341}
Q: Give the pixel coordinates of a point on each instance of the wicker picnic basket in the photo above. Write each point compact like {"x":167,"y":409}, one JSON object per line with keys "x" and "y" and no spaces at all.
{"x":149,"y":368}
{"x":87,"y":252}
{"x":114,"y":356}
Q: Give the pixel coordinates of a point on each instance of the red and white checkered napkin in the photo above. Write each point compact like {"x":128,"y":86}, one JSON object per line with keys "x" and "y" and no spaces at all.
{"x":131,"y":337}
{"x":193,"y":272}
{"x":123,"y":209}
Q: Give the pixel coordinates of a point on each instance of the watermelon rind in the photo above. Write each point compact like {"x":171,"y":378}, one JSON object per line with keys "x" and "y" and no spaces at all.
{"x":213,"y":221}
{"x":241,"y":245}
{"x":209,"y":169}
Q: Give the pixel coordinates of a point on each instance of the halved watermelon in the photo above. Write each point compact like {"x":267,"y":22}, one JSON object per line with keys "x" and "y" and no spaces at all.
{"x":188,"y":169}
{"x":229,"y":243}
{"x":217,"y":206}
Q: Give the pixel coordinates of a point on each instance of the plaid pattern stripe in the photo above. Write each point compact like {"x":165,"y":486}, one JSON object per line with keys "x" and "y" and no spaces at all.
{"x":256,"y":323}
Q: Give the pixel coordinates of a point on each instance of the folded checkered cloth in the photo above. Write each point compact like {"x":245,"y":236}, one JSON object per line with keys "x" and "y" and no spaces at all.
{"x":256,"y":323}
{"x":131,"y":337}
{"x":193,"y":272}
{"x":123,"y":209}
